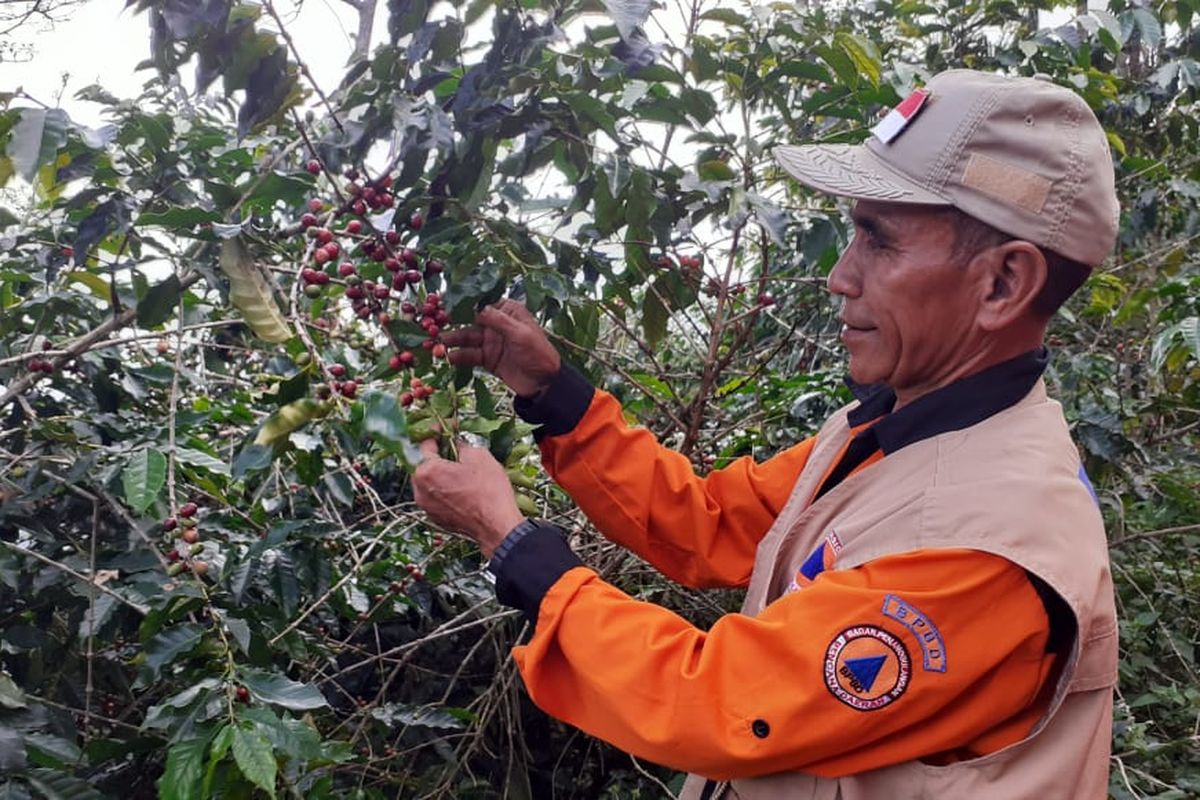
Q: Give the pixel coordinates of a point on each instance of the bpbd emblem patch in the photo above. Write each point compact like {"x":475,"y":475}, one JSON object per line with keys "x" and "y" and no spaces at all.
{"x":929,"y":639}
{"x":867,"y":668}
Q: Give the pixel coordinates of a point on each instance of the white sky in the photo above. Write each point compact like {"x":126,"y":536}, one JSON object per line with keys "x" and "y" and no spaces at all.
{"x":102,"y":42}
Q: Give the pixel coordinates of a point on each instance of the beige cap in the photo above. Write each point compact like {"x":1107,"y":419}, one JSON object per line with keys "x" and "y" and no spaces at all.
{"x":1021,"y":154}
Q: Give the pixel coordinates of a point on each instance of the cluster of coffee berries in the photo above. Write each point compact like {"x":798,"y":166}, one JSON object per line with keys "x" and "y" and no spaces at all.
{"x":375,"y":195}
{"x":347,"y":388}
{"x":383,"y":274}
{"x":420,"y":391}
{"x":36,"y":364}
{"x":314,"y":279}
{"x":664,"y":261}
{"x":182,"y":555}
{"x":432,"y":317}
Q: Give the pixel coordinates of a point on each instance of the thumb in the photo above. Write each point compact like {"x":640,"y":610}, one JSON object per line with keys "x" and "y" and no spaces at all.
{"x":429,"y":449}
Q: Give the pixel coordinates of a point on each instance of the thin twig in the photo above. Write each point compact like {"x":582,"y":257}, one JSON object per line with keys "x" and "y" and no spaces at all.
{"x":89,"y":687}
{"x":287,"y":37}
{"x":1133,"y":537}
{"x":138,"y":607}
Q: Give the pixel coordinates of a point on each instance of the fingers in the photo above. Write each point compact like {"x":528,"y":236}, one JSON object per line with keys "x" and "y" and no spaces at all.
{"x":467,"y":346}
{"x":517,"y":311}
{"x":503,"y":319}
{"x":471,"y":357}
{"x":429,"y":448}
{"x":429,"y":455}
{"x":464,"y":337}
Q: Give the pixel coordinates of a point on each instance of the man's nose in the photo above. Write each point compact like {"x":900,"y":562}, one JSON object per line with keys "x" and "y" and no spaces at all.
{"x":843,"y":278}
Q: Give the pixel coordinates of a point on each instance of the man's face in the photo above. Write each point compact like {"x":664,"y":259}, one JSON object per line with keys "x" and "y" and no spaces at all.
{"x":910,"y":304}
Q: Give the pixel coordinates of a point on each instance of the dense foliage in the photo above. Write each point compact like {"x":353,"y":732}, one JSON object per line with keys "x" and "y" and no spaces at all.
{"x":219,"y":320}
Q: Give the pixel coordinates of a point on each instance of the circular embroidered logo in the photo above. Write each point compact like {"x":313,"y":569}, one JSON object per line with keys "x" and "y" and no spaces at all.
{"x":866,"y":667}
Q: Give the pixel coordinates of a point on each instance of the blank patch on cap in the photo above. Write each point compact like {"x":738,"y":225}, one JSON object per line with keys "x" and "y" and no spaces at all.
{"x":1007,"y":182}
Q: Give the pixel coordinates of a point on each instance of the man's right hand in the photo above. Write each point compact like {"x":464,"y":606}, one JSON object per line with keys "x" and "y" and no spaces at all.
{"x":507,"y":341}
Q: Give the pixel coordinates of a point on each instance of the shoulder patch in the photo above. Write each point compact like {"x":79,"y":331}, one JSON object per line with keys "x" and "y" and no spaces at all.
{"x":929,"y":639}
{"x":818,"y":561}
{"x":867,"y":668}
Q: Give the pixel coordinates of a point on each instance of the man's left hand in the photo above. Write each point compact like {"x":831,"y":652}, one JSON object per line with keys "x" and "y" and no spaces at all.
{"x":472,"y":496}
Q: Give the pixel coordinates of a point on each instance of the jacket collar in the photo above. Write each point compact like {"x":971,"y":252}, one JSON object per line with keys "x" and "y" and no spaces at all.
{"x":959,"y":405}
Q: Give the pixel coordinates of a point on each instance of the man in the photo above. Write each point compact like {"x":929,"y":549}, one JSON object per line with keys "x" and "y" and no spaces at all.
{"x":929,"y":610}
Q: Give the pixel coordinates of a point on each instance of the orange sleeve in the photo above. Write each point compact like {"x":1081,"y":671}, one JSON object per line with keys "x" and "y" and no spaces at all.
{"x":905,"y":657}
{"x":647,"y":498}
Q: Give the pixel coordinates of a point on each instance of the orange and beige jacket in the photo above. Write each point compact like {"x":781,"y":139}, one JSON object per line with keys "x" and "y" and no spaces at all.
{"x":894,"y":640}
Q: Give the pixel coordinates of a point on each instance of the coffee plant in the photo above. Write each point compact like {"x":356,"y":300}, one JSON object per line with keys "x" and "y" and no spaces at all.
{"x":220,"y":341}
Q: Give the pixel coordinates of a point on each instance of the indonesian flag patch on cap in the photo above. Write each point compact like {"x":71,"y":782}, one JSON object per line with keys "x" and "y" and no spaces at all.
{"x":899,"y":117}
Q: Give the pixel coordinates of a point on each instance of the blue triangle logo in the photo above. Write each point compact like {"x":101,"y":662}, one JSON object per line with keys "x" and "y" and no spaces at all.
{"x":866,"y":670}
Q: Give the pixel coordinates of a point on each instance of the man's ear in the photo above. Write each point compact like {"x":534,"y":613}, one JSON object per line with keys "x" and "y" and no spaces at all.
{"x":1012,"y":274}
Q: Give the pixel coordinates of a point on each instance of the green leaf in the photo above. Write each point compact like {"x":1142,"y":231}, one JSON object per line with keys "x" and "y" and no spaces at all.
{"x":54,"y":784}
{"x":96,"y":616}
{"x":252,"y":458}
{"x":220,"y":746}
{"x":654,"y":319}
{"x":641,"y":200}
{"x":95,"y":284}
{"x":239,"y":629}
{"x":283,"y":575}
{"x":1149,"y":26}
{"x":266,"y":192}
{"x":281,"y":691}
{"x":485,"y":403}
{"x":159,"y":302}
{"x":716,"y":170}
{"x":172,"y":643}
{"x":393,"y":714}
{"x":726,"y":16}
{"x":36,"y":139}
{"x":143,"y":478}
{"x":47,"y":750}
{"x":184,"y":774}
{"x":254,"y":758}
{"x":201,"y":459}
{"x":383,"y":416}
{"x":289,"y":737}
{"x":862,"y":54}
{"x":595,"y":110}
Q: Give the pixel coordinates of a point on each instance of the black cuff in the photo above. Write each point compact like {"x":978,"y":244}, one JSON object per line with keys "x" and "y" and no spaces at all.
{"x":560,"y":406}
{"x":531,"y":567}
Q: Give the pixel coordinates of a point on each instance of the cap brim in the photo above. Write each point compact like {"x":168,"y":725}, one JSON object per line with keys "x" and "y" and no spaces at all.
{"x":851,"y":171}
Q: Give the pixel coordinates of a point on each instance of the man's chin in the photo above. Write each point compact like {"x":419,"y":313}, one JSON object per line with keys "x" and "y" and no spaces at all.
{"x":863,"y":373}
